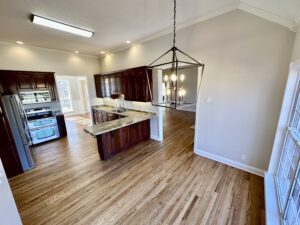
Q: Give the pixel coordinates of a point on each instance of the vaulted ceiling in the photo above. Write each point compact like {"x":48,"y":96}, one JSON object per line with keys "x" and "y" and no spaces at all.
{"x":115,"y":21}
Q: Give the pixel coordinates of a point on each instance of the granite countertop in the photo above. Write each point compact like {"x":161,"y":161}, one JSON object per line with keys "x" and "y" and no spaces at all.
{"x":132,"y":117}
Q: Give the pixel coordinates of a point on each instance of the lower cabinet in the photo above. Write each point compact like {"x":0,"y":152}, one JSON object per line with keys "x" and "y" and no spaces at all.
{"x":113,"y":142}
{"x":61,"y":125}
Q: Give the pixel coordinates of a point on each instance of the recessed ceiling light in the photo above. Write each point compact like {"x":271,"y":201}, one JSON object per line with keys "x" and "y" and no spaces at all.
{"x":128,"y":42}
{"x":76,"y":52}
{"x":102,"y":52}
{"x":61,"y":26}
{"x":20,"y":42}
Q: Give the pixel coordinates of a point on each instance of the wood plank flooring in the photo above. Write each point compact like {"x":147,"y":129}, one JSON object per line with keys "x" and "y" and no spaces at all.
{"x":152,"y":183}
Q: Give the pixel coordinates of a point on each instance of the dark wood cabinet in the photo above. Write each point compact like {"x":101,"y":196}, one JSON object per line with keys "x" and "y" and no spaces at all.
{"x":51,"y":86}
{"x":61,"y":125}
{"x":8,"y":151}
{"x":8,"y":82}
{"x":113,"y":142}
{"x":14,"y":81}
{"x":133,"y":83}
{"x":39,"y":81}
{"x":98,"y":86}
{"x":24,"y":81}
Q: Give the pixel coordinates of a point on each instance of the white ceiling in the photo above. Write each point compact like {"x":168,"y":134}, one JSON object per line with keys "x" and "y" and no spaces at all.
{"x":115,"y":21}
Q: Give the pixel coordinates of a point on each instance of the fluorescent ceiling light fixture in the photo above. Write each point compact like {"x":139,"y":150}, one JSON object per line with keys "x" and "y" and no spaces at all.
{"x":20,"y":42}
{"x":128,"y":42}
{"x":61,"y":26}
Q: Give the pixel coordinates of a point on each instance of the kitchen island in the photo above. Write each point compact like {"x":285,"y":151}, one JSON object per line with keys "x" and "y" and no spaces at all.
{"x":116,"y":132}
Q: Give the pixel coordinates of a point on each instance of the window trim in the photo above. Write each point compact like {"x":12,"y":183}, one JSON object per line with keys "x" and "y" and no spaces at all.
{"x":62,"y":99}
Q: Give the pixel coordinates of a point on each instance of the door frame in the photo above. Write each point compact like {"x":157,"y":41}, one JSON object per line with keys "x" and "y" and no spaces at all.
{"x":87,"y":109}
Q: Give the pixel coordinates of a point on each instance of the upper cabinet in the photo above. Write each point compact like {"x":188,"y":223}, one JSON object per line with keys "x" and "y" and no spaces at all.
{"x":24,"y":81}
{"x":133,"y":83}
{"x":11,"y":82}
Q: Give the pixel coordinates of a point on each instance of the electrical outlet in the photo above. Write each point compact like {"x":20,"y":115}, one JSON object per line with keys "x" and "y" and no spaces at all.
{"x":243,"y":157}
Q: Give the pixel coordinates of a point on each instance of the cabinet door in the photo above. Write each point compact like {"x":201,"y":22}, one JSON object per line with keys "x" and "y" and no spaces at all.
{"x":8,"y":82}
{"x":61,"y":125}
{"x":124,"y":84}
{"x":98,"y":86}
{"x":148,"y":90}
{"x":116,"y":141}
{"x":24,"y":81}
{"x":8,"y":152}
{"x":112,"y":83}
{"x":124,"y":137}
{"x":140,"y":87}
{"x":118,"y":83}
{"x":51,"y":86}
{"x":145,"y":129}
{"x":39,"y":81}
{"x":131,"y":86}
{"x":107,"y":85}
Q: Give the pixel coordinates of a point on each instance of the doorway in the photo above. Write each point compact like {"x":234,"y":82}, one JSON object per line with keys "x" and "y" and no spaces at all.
{"x":73,"y":94}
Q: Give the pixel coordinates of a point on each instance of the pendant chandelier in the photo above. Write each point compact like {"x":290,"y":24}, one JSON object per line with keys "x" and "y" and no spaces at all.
{"x":173,"y":60}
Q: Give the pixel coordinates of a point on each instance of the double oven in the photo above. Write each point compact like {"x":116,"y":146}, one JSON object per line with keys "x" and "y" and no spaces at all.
{"x":42,"y":124}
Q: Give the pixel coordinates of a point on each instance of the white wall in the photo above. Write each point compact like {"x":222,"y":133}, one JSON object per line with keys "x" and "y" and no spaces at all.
{"x":22,"y":57}
{"x":246,"y":60}
{"x":27,"y":58}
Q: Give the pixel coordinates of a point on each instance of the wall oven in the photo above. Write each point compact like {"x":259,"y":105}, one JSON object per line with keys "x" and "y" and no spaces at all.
{"x":42,"y":125}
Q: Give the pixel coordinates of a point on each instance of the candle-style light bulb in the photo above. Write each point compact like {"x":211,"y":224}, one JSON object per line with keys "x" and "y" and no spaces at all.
{"x":173,"y":77}
{"x":166,"y":78}
{"x":182,"y":77}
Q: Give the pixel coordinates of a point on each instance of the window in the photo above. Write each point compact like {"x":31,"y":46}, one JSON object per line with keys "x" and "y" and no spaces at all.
{"x":63,"y":87}
{"x":288,"y":177}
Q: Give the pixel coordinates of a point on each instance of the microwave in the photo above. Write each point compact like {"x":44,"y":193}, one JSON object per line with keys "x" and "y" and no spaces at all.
{"x":31,"y":97}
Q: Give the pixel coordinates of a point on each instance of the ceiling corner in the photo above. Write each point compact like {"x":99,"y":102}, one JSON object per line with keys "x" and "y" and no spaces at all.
{"x":268,"y":16}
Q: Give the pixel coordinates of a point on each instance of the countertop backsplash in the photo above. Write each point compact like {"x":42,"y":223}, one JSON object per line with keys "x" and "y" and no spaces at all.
{"x":141,"y":106}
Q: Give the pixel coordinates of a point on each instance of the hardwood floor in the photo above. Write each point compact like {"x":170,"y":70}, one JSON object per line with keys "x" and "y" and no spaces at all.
{"x":152,"y":183}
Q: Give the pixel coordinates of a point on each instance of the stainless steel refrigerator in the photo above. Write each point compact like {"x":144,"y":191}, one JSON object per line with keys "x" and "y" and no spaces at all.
{"x":18,"y":124}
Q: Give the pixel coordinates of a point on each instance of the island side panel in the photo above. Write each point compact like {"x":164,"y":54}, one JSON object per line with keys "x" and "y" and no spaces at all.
{"x":114,"y":142}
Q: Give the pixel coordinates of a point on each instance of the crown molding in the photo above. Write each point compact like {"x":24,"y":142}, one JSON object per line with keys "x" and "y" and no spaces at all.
{"x":291,"y":24}
{"x":182,"y":25}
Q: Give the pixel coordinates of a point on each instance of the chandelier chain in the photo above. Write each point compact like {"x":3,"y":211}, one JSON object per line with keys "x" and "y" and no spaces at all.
{"x":174,"y":25}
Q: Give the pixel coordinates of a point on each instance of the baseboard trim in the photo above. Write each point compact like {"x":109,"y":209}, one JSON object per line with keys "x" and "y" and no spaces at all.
{"x":229,"y":162}
{"x":155,"y":137}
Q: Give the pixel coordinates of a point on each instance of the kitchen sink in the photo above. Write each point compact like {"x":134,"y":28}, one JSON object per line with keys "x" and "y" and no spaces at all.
{"x":119,"y":110}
